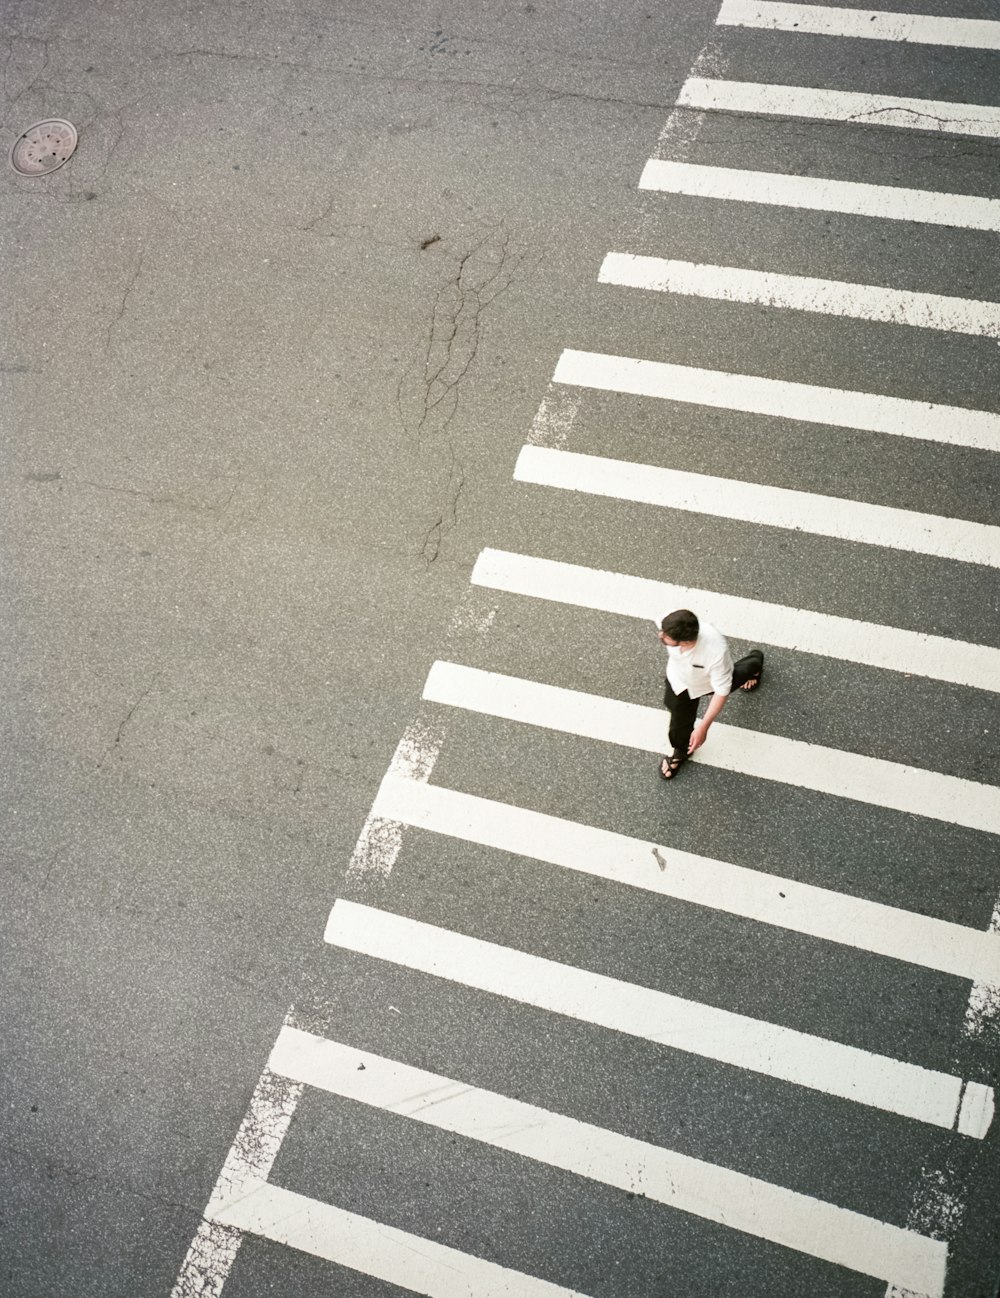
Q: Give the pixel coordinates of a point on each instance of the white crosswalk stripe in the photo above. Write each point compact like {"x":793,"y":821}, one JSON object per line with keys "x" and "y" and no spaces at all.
{"x":832,"y":771}
{"x":413,"y":1262}
{"x":731,"y":1199}
{"x":808,"y":403}
{"x":802,"y":293}
{"x":890,"y":648}
{"x":784,"y":1054}
{"x":766,"y":898}
{"x":847,"y":106}
{"x":751,"y":502}
{"x":774,"y":189}
{"x":868,"y":24}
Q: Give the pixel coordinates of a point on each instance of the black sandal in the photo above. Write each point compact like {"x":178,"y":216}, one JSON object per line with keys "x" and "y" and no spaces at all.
{"x":673,"y":763}
{"x":754,"y":681}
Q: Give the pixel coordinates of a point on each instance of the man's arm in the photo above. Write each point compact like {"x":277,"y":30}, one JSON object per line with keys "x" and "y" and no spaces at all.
{"x":721,"y":673}
{"x":700,"y":733}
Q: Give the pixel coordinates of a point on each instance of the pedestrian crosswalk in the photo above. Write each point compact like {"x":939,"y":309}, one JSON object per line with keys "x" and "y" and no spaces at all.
{"x":847,"y":520}
{"x":802,"y":293}
{"x":767,"y":898}
{"x":522,"y":943}
{"x":690,"y":1026}
{"x":412,"y":1262}
{"x":833,"y":772}
{"x":891,"y":648}
{"x":827,"y":20}
{"x":716,"y":1193}
{"x":774,"y":189}
{"x":781,"y":399}
{"x":711,"y":95}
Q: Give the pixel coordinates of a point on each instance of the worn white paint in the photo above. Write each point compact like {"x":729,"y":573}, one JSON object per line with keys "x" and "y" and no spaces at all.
{"x":803,"y":293}
{"x":920,"y":940}
{"x":936,"y":1210}
{"x":753,"y":502}
{"x":977,"y":1109}
{"x":470,"y":618}
{"x":554,"y":419}
{"x":866,"y":24}
{"x":938,"y":1203}
{"x":717,"y":1194}
{"x":817,"y":193}
{"x":982,"y":1013}
{"x":737,"y":1040}
{"x":413,"y":1262}
{"x":682,"y":128}
{"x":381,"y":840}
{"x":209,"y":1260}
{"x":804,"y":630}
{"x":805,"y":403}
{"x":754,"y":97}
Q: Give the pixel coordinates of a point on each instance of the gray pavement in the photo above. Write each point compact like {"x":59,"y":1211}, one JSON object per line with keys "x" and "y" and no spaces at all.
{"x":271,"y":343}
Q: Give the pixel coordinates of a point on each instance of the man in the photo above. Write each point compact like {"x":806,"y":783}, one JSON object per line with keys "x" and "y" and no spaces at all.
{"x":698,"y":663}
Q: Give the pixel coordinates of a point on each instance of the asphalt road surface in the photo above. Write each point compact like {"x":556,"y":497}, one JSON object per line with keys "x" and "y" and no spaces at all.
{"x":374,"y":377}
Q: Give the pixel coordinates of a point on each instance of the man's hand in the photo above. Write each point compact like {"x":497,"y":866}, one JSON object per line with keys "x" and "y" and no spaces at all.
{"x":700,"y":733}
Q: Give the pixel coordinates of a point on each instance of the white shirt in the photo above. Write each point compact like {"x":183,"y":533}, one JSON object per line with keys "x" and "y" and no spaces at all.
{"x":705,"y":668}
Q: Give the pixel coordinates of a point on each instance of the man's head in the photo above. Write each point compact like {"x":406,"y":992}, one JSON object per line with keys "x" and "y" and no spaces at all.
{"x":679,"y":628}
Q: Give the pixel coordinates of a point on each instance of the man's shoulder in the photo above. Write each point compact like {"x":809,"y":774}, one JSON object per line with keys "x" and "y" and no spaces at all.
{"x":714,"y":641}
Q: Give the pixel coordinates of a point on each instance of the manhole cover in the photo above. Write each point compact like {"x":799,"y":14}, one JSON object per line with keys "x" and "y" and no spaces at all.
{"x":43,"y":147}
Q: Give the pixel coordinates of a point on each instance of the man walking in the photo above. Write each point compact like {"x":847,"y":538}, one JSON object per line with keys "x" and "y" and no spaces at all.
{"x":698,"y":663}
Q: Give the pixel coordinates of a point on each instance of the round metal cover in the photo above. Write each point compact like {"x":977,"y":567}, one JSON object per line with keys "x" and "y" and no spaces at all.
{"x":43,"y":147}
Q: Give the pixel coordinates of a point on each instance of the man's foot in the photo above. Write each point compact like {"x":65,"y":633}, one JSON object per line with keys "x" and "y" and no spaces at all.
{"x":671,"y":765}
{"x":754,"y":680}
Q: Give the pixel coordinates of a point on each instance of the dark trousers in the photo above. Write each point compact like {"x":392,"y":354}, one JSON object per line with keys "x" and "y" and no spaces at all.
{"x":683,"y":708}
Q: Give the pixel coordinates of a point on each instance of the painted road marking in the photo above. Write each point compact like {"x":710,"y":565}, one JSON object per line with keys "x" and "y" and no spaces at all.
{"x":871,"y":24}
{"x":717,"y":885}
{"x":832,"y":771}
{"x":815,"y":193}
{"x":834,"y":407}
{"x":888,"y":648}
{"x":381,"y":841}
{"x":802,"y":293}
{"x":412,"y":1262}
{"x":751,"y":502}
{"x":731,"y":1199}
{"x":830,"y":1067}
{"x":756,"y":98}
{"x":214,"y":1248}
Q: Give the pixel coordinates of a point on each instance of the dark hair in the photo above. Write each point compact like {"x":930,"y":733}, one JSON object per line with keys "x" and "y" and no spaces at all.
{"x":681,"y":625}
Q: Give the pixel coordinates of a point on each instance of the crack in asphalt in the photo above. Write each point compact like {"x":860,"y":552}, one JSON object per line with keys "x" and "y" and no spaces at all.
{"x":75,"y":1175}
{"x":520,"y":89}
{"x":127,"y":718}
{"x":427,"y":393}
{"x":126,"y":293}
{"x":44,"y":42}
